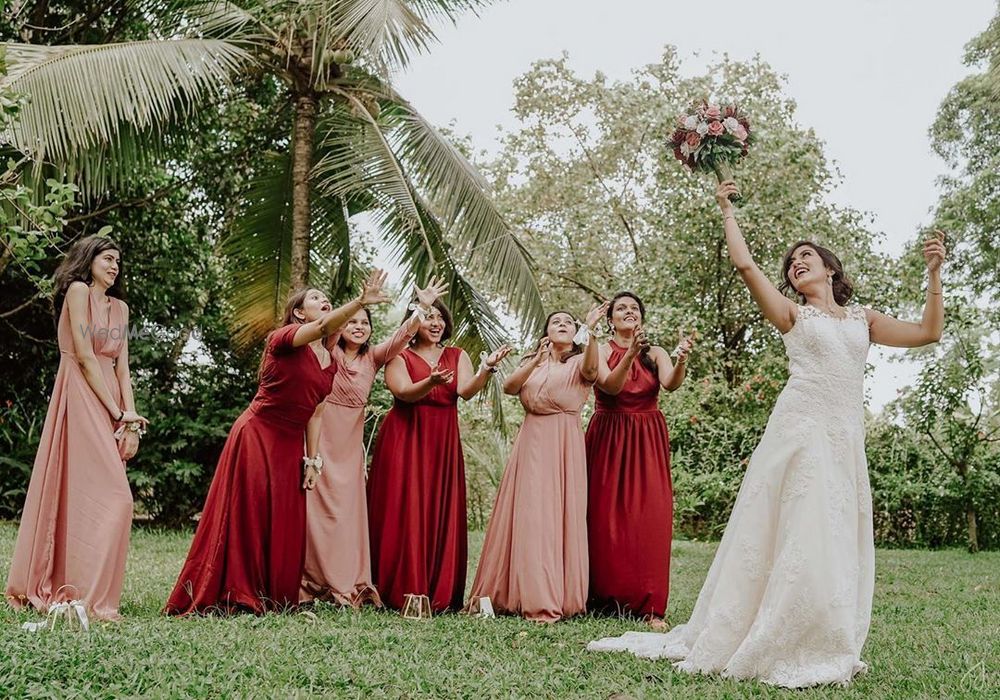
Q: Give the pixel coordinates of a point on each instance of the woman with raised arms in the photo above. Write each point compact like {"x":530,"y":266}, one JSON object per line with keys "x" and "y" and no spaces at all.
{"x":249,"y":549}
{"x":534,"y":561}
{"x":338,"y":557}
{"x":788,"y":597}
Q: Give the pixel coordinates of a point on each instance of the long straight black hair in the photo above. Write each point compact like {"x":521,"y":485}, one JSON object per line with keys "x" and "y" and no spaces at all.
{"x":75,"y":267}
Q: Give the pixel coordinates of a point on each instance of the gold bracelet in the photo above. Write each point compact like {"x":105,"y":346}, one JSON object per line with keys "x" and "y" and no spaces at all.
{"x":931,"y":291}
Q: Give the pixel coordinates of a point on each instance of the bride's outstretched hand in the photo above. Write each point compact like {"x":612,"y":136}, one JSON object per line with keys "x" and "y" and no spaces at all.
{"x":722,"y":192}
{"x":934,"y":251}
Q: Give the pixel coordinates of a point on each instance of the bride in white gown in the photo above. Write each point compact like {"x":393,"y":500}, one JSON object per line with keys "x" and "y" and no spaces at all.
{"x":788,"y":598}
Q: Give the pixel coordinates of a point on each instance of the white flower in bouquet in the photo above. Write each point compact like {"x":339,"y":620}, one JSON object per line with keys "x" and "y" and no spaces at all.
{"x":712,"y":137}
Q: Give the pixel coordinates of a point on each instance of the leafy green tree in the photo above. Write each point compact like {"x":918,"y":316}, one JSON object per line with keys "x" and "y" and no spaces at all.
{"x":31,"y":218}
{"x":589,"y":178}
{"x":966,"y":134}
{"x":352,"y":145}
{"x":955,"y":403}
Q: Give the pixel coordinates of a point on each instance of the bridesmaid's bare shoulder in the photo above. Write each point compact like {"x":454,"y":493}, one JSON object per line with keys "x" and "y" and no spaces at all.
{"x":77,"y":290}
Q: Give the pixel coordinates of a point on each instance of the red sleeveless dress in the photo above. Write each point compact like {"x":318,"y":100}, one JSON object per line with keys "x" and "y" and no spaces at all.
{"x":630,"y":507}
{"x":249,"y":549}
{"x":416,"y":495}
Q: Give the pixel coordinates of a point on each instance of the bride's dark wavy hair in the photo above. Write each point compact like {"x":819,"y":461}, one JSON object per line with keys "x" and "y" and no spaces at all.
{"x":75,"y":267}
{"x":843,"y":287}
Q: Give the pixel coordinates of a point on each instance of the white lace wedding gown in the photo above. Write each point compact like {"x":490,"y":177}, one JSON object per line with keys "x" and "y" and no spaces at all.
{"x":789,"y":595}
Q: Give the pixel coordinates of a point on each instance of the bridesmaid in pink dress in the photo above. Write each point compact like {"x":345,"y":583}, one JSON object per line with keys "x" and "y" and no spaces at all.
{"x":534,"y":561}
{"x":338,"y":558}
{"x":73,"y":537}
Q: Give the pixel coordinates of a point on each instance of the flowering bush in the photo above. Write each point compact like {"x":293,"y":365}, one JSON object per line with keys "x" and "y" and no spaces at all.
{"x":712,"y":138}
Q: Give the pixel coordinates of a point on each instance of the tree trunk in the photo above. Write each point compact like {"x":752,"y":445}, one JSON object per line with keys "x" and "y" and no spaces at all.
{"x":970,"y":519}
{"x":970,"y":510}
{"x":303,"y":138}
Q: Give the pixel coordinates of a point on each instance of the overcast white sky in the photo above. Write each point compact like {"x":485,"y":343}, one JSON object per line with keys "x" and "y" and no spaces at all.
{"x":844,"y":62}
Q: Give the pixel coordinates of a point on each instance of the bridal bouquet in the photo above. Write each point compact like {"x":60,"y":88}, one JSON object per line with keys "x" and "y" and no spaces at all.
{"x":712,"y":138}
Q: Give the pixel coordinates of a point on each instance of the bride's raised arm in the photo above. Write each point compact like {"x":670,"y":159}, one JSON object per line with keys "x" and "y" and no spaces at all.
{"x":887,"y":330}
{"x":777,"y":308}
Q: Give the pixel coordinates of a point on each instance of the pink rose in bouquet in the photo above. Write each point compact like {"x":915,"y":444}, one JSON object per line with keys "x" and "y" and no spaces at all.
{"x":712,"y":137}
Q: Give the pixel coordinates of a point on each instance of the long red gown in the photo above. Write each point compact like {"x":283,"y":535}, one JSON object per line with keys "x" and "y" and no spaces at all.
{"x":249,"y":549}
{"x":630,"y":504}
{"x":416,"y":495}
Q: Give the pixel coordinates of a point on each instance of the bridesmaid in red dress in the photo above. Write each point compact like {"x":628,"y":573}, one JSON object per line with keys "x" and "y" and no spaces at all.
{"x":416,"y":487}
{"x":74,"y":530}
{"x":249,"y":548}
{"x":630,"y":503}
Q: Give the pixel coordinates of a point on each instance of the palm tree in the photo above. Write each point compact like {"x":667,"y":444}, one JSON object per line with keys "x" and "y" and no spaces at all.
{"x":355,"y":146}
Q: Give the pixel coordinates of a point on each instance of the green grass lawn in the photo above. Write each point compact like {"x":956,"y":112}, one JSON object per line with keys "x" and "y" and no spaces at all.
{"x":935,"y":634}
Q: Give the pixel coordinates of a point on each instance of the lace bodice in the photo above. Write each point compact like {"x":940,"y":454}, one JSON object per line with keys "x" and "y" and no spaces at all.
{"x":823,"y":345}
{"x":826,"y":361}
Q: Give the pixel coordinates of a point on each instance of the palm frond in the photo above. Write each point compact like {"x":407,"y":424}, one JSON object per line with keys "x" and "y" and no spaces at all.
{"x":81,"y":97}
{"x":221,"y":19}
{"x":258,"y":251}
{"x":358,"y":164}
{"x":458,"y":196}
{"x":448,"y":9}
{"x":477,"y":326}
{"x":358,"y":160}
{"x":383,"y":32}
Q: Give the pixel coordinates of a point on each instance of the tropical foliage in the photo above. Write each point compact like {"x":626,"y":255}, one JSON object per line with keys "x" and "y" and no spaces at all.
{"x":351,"y":145}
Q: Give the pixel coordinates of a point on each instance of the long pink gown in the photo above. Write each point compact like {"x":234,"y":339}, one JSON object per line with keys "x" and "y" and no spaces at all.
{"x":74,"y":532}
{"x":338,"y":557}
{"x":535,"y":561}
